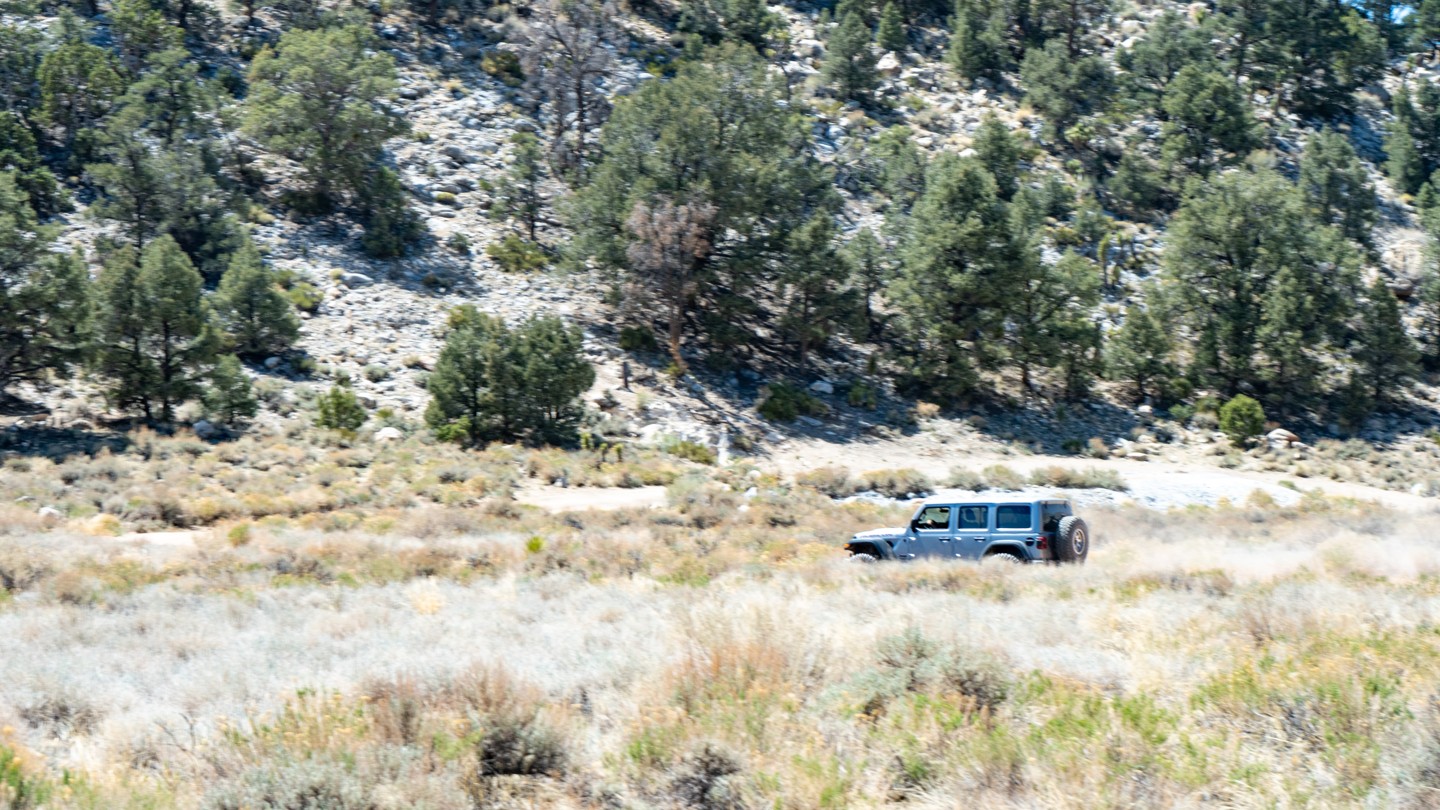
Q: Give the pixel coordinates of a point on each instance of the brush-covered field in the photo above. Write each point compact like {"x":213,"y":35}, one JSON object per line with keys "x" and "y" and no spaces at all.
{"x":446,"y":647}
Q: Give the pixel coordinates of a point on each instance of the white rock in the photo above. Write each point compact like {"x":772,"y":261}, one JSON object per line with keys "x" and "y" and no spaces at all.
{"x":822,"y":387}
{"x":388,"y":434}
{"x":353,"y":280}
{"x":889,"y":65}
{"x":50,"y":516}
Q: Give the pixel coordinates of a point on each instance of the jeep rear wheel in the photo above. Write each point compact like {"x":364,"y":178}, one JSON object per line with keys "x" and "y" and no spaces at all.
{"x":862,"y":558}
{"x":1072,"y":541}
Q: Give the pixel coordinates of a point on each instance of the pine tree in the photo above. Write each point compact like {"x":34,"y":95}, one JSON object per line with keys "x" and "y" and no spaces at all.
{"x":43,"y":296}
{"x":1429,"y":310}
{"x":1338,"y":186}
{"x":519,"y":192}
{"x":230,"y":397}
{"x":814,"y":287}
{"x":20,"y":155}
{"x":140,"y":31}
{"x":1063,"y":88}
{"x":977,"y":45}
{"x":849,"y":59}
{"x":568,"y":54}
{"x":1426,"y":24}
{"x":1384,"y":354}
{"x":1403,"y":162}
{"x":492,"y":382}
{"x":951,"y":292}
{"x":1139,"y":352}
{"x":1226,"y":248}
{"x":1208,"y":122}
{"x":1046,"y":310}
{"x":79,"y":83}
{"x":157,"y":343}
{"x":257,"y":317}
{"x":871,"y":271}
{"x":1170,"y":44}
{"x":317,"y":100}
{"x":1291,"y":335}
{"x":1001,"y":153}
{"x":702,"y":178}
{"x":20,"y":55}
{"x":890,"y":33}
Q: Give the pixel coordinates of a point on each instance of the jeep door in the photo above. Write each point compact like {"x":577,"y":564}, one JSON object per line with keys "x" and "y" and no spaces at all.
{"x":1013,"y":523}
{"x":972,"y":533}
{"x":935,"y":532}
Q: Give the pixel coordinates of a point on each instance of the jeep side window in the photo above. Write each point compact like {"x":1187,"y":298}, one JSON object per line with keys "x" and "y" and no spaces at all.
{"x":974,"y":518}
{"x":1012,"y":516}
{"x":934,"y":517}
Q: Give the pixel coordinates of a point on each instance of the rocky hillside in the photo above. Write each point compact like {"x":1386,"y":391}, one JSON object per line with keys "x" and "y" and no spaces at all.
{"x":468,"y":80}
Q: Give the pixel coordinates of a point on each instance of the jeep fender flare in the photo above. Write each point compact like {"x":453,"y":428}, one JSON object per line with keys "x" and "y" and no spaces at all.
{"x":1005,"y":547}
{"x":878,"y":548}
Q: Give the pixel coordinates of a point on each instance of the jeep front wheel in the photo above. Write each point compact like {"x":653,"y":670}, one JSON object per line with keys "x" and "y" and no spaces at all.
{"x":861,"y":558}
{"x":1072,"y":541}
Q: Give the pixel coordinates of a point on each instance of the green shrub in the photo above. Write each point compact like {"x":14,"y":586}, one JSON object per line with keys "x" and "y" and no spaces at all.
{"x":504,"y":66}
{"x":998,"y":476}
{"x":376,"y":373}
{"x":862,"y":395}
{"x":305,"y":296}
{"x":1091,"y":478}
{"x":1242,"y":419}
{"x":690,"y":451}
{"x":962,"y":478}
{"x":338,"y":409}
{"x":515,"y":255}
{"x":786,"y":402}
{"x":637,"y":339}
{"x":832,"y":481}
{"x":895,"y":483}
{"x":445,"y":198}
{"x":460,"y":243}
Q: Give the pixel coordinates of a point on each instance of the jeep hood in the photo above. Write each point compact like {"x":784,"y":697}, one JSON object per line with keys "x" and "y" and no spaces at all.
{"x":880,"y":534}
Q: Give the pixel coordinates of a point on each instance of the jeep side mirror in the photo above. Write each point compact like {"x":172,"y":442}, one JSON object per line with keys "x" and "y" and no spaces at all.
{"x":915,"y":524}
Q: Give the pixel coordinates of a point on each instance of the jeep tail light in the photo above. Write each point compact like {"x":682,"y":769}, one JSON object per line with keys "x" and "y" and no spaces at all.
{"x":1043,"y":544}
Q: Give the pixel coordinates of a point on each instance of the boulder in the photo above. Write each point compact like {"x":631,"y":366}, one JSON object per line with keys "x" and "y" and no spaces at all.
{"x":353,"y":280}
{"x":205,"y":430}
{"x":889,"y":65}
{"x":388,"y":434}
{"x":1281,"y":439}
{"x":50,"y":516}
{"x":822,"y":387}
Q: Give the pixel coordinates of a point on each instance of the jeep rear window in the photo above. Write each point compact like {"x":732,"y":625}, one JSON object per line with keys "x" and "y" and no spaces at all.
{"x":974,"y":517}
{"x":1012,"y":516}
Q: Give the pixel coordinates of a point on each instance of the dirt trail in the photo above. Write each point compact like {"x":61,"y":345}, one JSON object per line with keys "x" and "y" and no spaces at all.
{"x":1157,"y":483}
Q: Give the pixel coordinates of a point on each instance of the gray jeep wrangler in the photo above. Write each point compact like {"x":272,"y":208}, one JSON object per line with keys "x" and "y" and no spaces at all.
{"x":1020,"y":530}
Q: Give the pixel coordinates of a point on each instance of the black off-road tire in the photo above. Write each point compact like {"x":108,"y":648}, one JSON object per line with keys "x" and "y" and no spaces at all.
{"x":1001,"y":558}
{"x":1072,"y":541}
{"x":861,"y":558}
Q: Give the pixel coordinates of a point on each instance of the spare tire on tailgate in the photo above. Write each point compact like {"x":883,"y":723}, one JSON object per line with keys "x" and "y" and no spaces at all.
{"x":1072,"y":540}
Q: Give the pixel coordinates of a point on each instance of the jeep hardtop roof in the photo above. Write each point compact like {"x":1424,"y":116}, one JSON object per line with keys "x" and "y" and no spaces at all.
{"x":972,"y":497}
